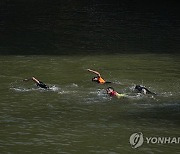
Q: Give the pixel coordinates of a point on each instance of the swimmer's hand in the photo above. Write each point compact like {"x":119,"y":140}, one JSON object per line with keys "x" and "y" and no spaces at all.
{"x":25,"y":80}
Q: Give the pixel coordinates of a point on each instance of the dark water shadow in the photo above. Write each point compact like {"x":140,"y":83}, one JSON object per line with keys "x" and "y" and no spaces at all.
{"x":164,"y":112}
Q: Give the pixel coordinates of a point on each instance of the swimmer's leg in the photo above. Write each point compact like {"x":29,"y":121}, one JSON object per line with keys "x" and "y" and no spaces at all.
{"x":108,"y":82}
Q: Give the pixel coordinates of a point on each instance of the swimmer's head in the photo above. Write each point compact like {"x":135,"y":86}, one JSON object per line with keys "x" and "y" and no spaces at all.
{"x":144,"y":91}
{"x":141,"y":89}
{"x":109,"y":90}
{"x":138,"y":87}
{"x":95,"y":79}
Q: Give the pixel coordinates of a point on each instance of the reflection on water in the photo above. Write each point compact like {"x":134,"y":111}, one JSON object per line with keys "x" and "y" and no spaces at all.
{"x":71,"y":27}
{"x":76,"y":115}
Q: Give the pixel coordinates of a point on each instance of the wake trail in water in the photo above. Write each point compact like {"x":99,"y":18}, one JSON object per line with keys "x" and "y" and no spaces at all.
{"x":21,"y":89}
{"x":53,"y":88}
{"x":128,"y":88}
{"x":94,"y":94}
{"x":69,"y":89}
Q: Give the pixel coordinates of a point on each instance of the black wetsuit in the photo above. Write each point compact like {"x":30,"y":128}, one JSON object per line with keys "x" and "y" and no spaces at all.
{"x":140,"y":89}
{"x":42,"y":85}
{"x":108,"y":82}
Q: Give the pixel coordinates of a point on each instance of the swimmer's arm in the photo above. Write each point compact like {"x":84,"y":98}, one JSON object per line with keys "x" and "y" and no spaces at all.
{"x":148,"y":91}
{"x":27,"y":79}
{"x":32,"y":78}
{"x":95,"y":72}
{"x":35,"y":80}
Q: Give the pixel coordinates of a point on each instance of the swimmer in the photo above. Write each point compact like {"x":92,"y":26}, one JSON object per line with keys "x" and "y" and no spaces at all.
{"x":98,"y":78}
{"x":38,"y":83}
{"x":143,"y":90}
{"x":111,"y":92}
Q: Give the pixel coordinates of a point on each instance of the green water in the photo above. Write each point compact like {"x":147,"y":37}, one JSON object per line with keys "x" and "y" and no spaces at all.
{"x":76,"y":115}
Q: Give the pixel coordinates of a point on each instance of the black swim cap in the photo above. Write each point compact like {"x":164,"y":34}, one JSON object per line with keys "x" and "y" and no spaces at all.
{"x":93,"y":79}
{"x":110,"y":88}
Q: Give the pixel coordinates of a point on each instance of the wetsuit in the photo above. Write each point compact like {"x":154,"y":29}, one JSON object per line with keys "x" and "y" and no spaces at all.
{"x":143,"y":90}
{"x":101,"y":80}
{"x":42,"y":85}
{"x":114,"y":93}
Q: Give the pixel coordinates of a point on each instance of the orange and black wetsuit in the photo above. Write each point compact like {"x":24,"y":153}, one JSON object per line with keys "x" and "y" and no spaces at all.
{"x":101,"y":80}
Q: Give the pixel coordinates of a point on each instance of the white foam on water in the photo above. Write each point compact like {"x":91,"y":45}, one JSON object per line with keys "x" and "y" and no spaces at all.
{"x":63,"y":92}
{"x":69,"y":89}
{"x":72,"y":85}
{"x":167,"y":94}
{"x":66,"y":92}
{"x":132,"y":88}
{"x":137,"y":96}
{"x":20,"y":89}
{"x":54,"y":88}
{"x":118,"y":82}
{"x":101,"y":92}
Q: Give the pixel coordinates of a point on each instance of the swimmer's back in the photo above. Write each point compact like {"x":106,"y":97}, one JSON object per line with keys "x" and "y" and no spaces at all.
{"x":101,"y":80}
{"x":42,"y":85}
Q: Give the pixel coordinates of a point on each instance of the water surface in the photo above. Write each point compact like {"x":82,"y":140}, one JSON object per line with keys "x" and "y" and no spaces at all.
{"x":76,"y":115}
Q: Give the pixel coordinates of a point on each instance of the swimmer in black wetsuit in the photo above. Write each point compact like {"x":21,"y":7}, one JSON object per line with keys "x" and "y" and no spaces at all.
{"x":38,"y":83}
{"x":143,"y":90}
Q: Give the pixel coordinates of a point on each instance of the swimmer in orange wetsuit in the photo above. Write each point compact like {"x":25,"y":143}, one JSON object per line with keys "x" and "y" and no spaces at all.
{"x":98,"y":78}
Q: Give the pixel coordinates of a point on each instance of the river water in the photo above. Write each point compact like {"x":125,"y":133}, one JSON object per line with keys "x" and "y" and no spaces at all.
{"x":56,"y":41}
{"x":76,"y":115}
